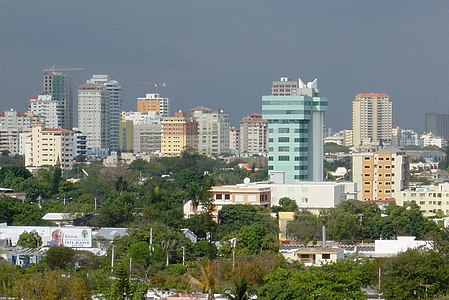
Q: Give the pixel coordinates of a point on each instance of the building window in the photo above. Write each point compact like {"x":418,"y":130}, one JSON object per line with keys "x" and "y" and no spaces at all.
{"x":283,"y":130}
{"x":284,"y":149}
{"x":227,"y":196}
{"x":218,"y":196}
{"x":283,"y":140}
{"x":283,"y":158}
{"x":326,"y":256}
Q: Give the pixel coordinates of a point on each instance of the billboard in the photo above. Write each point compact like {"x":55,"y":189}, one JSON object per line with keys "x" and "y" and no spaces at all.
{"x":71,"y":237}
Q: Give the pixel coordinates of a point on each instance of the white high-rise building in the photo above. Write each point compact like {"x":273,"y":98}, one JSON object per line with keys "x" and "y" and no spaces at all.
{"x":213,"y":131}
{"x":47,"y":107}
{"x":372,"y":118}
{"x":93,"y":116}
{"x":145,"y":131}
{"x":115,"y":106}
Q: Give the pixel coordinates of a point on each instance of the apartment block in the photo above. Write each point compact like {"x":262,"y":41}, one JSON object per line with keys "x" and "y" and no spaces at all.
{"x":140,"y":132}
{"x":213,"y":131}
{"x":154,"y":103}
{"x":11,"y":139}
{"x":12,"y":118}
{"x":253,"y":134}
{"x":48,"y":108}
{"x":380,"y":174}
{"x":49,"y":147}
{"x":234,"y":140}
{"x":93,"y":116}
{"x":115,"y":106}
{"x":429,"y":139}
{"x":372,"y":118}
{"x":432,"y":200}
{"x":179,"y":133}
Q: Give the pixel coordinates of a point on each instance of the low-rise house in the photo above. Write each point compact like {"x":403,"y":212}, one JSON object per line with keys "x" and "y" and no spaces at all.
{"x":313,"y":256}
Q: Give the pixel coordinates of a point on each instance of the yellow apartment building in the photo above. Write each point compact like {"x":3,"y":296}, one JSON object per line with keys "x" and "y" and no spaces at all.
{"x":178,"y":133}
{"x":48,"y":147}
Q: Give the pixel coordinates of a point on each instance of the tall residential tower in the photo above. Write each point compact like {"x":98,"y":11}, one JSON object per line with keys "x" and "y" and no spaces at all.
{"x":372,"y":118}
{"x":115,"y":106}
{"x":93,"y":116}
{"x":295,"y":115}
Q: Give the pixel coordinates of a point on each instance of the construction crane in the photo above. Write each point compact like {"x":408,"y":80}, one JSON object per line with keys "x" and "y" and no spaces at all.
{"x":54,"y":69}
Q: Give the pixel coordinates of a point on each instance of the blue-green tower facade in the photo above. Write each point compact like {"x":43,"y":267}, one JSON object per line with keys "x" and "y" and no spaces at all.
{"x":295,"y":114}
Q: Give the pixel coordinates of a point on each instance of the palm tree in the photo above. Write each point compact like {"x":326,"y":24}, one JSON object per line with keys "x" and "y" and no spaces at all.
{"x":209,"y":278}
{"x":240,"y":289}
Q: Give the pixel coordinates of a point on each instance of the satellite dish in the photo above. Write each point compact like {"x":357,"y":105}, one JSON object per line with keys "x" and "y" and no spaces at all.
{"x":246,"y":180}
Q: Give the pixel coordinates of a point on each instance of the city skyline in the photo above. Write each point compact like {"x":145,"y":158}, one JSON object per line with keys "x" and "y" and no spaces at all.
{"x":224,"y":55}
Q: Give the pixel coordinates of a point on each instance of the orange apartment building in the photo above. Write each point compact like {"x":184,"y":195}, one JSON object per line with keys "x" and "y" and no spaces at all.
{"x":154,"y":103}
{"x":380,"y":174}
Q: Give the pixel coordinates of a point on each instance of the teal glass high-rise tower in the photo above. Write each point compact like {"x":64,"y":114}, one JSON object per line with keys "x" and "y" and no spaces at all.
{"x":59,"y":86}
{"x":295,"y":114}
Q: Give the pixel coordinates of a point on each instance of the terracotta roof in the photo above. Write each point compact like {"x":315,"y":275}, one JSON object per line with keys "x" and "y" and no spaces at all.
{"x":56,"y":130}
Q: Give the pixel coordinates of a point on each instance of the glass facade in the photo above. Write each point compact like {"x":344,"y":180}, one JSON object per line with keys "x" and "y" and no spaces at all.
{"x":291,"y":125}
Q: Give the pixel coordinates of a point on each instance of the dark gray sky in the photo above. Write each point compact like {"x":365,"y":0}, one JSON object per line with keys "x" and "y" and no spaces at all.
{"x":225,"y":54}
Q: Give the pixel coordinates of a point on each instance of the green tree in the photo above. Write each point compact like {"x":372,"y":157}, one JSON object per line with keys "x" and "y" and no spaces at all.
{"x":60,"y":258}
{"x":116,"y":210}
{"x":51,"y":285}
{"x":415,"y":274}
{"x":121,"y":287}
{"x":57,"y":177}
{"x":30,"y":239}
{"x":121,"y":185}
{"x":286,"y":204}
{"x":8,"y":275}
{"x":305,"y":227}
{"x":335,"y":281}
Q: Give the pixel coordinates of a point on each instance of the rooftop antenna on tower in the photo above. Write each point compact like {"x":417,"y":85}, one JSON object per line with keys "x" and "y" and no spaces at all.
{"x":157,"y":85}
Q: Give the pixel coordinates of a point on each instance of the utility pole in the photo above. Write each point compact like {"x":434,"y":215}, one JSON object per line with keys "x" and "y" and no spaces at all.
{"x":183,"y":255}
{"x":112,"y":258}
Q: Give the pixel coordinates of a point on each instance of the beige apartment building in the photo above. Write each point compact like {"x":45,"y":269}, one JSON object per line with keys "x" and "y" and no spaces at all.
{"x":178,"y":134}
{"x":49,"y":147}
{"x":213,"y":131}
{"x":12,"y":139}
{"x":253,"y":134}
{"x":372,"y":118}
{"x":431,"y":199}
{"x":380,"y":174}
{"x":12,"y":118}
